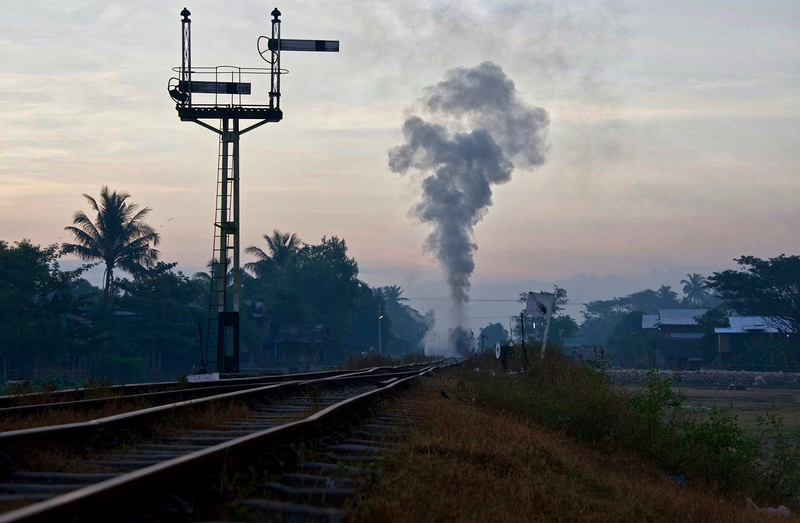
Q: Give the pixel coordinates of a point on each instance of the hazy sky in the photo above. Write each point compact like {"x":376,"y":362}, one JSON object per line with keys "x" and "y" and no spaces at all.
{"x":672,"y":144}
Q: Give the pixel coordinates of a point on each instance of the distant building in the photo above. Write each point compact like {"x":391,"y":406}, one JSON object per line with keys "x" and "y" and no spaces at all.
{"x":743,"y":332}
{"x":679,"y":339}
{"x":678,"y":343}
{"x":301,"y":346}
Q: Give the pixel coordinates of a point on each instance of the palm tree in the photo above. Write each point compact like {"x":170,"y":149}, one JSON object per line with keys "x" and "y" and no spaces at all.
{"x":214,"y":267}
{"x":666,"y":293}
{"x":119,"y":236}
{"x":280,"y":245}
{"x":694,"y":288}
{"x":392,"y":294}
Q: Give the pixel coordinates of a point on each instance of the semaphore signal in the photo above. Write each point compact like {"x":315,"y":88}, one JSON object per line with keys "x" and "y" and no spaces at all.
{"x":217,"y":93}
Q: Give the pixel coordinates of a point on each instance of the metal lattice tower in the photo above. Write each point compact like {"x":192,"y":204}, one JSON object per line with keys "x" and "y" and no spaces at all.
{"x":221,"y":90}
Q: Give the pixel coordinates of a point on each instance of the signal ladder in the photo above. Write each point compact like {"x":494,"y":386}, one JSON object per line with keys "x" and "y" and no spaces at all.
{"x":220,"y":342}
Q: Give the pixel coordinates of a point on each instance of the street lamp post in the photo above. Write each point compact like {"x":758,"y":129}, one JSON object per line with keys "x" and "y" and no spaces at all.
{"x":380,"y":351}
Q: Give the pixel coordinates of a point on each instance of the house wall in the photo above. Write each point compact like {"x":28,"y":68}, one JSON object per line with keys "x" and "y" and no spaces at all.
{"x":723,"y":343}
{"x":667,"y":331}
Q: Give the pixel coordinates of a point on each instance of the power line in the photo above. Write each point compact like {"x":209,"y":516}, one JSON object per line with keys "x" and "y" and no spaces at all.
{"x":471,"y":300}
{"x":485,"y":300}
{"x":480,"y":317}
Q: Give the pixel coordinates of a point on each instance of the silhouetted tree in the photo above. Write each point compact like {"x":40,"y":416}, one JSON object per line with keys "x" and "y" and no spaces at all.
{"x":409,"y":325}
{"x":768,"y":288}
{"x":280,"y":246}
{"x":494,"y":333}
{"x":318,"y":284}
{"x":119,"y":236}
{"x":392,"y":294}
{"x":694,"y":289}
{"x":629,"y":344}
{"x":666,"y":294}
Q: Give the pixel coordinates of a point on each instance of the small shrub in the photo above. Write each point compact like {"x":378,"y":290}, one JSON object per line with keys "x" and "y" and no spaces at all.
{"x":655,"y":415}
{"x":779,"y":466}
{"x":19,"y":388}
{"x":716,"y":450}
{"x":600,"y":362}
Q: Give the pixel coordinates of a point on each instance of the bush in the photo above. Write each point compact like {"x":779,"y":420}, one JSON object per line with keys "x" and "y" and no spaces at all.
{"x":654,"y":415}
{"x":580,"y":399}
{"x":716,"y":450}
{"x":712,"y":449}
{"x":779,"y":465}
{"x":558,"y":392}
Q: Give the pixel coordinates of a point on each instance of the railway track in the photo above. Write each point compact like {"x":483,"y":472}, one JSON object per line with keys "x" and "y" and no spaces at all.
{"x":85,"y":399}
{"x":167,"y":463}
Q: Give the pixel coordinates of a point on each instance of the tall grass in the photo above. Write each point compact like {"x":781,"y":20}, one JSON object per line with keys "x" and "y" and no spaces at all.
{"x":704,"y":447}
{"x":557,"y":392}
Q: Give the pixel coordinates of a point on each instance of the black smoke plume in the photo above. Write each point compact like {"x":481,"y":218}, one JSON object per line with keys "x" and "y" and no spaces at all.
{"x":477,"y":129}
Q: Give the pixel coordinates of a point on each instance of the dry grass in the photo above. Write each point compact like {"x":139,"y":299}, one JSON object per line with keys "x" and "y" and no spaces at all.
{"x":61,"y":416}
{"x":469,"y":463}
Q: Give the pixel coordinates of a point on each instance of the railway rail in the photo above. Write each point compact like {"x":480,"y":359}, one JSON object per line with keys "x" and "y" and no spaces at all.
{"x":134,"y":464}
{"x":165,"y":392}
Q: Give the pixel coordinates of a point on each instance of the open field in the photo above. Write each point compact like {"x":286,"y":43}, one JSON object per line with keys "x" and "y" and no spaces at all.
{"x":748,"y":405}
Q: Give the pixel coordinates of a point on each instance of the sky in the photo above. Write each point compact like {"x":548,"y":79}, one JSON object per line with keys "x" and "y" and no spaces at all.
{"x":672,"y":144}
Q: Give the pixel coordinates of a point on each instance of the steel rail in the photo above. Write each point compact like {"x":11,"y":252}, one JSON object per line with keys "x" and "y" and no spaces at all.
{"x":81,"y":431}
{"x":84,"y":428}
{"x":8,"y":403}
{"x":141,"y":487}
{"x":64,"y":397}
{"x":165,"y":396}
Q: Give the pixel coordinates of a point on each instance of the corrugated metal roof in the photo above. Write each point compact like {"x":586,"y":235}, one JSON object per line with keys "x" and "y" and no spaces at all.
{"x":680,"y":316}
{"x":745,"y":324}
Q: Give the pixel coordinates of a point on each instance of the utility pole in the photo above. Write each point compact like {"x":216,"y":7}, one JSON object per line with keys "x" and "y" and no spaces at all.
{"x":522,"y":335}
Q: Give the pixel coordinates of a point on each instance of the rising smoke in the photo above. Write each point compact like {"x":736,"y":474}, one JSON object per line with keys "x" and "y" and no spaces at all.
{"x":477,"y":129}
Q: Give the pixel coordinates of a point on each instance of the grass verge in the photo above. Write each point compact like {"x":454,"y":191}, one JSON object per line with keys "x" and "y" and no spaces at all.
{"x":560,"y":443}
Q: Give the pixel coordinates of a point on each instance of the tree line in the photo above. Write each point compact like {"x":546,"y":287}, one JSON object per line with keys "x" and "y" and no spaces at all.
{"x":144,"y":325}
{"x":765,"y":288}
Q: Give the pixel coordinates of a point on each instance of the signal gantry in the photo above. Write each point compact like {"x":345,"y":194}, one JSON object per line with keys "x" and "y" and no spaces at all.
{"x":216,"y":93}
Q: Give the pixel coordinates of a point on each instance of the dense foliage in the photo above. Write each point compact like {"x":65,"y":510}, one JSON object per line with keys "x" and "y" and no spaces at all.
{"x":36,"y":302}
{"x":148,"y":326}
{"x":600,"y":317}
{"x":768,"y":288}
